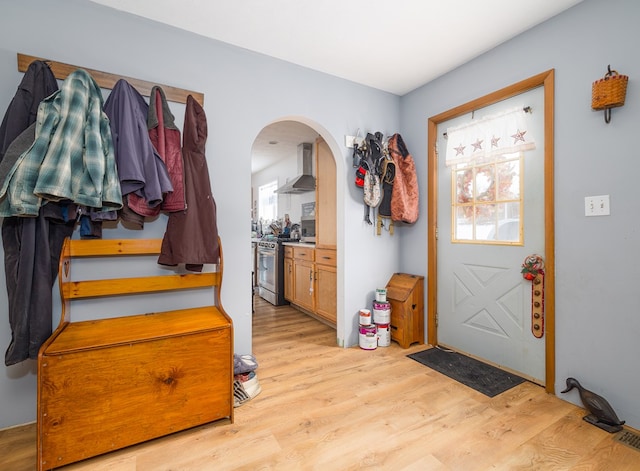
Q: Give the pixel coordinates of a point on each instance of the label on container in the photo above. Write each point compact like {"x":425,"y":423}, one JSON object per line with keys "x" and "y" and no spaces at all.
{"x":381,"y":294}
{"x":365,"y":317}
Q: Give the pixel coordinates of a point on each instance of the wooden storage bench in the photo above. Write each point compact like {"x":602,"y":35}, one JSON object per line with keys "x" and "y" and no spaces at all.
{"x":109,"y":383}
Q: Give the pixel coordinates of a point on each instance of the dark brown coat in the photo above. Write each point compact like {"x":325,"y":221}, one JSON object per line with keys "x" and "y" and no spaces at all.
{"x":192,"y":235}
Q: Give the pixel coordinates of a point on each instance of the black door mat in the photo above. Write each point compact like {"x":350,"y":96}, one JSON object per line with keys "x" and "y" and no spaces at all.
{"x":484,"y":378}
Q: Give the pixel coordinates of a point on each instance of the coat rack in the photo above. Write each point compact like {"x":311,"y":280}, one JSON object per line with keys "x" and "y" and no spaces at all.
{"x":107,"y":81}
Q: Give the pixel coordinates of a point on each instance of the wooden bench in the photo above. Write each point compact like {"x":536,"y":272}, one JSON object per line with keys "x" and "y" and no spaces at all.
{"x":109,"y":383}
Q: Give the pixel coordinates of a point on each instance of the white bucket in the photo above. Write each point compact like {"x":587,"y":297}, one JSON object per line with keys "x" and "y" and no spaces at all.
{"x":381,"y":312}
{"x":384,"y":335}
{"x":365,"y":317}
{"x":381,"y":295}
{"x":368,"y":337}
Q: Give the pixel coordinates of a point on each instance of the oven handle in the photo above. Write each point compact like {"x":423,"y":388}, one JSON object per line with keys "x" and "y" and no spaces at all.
{"x":266,"y":251}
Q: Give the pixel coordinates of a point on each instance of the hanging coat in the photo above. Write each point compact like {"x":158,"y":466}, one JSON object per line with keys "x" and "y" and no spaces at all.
{"x":37,"y":83}
{"x":140,"y":168}
{"x":404,"y":197}
{"x":72,"y":155}
{"x":165,"y":137}
{"x":31,"y":245}
{"x":192,"y":234}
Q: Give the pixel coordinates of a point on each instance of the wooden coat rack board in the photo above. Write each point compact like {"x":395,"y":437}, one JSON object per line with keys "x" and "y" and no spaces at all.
{"x":107,"y":81}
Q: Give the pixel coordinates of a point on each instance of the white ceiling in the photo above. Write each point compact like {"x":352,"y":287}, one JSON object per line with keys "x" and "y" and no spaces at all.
{"x":391,"y":45}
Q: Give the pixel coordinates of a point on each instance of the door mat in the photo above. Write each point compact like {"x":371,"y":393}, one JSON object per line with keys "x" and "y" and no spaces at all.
{"x":484,"y":378}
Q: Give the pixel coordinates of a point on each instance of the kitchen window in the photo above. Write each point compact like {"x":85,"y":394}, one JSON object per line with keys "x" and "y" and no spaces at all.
{"x":268,"y":201}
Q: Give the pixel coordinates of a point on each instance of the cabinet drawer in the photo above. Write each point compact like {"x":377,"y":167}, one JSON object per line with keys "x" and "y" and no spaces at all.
{"x":288,"y":251}
{"x":303,"y":253}
{"x":326,"y":257}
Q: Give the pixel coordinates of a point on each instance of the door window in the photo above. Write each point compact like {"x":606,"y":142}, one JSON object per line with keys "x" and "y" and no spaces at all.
{"x":487,"y":201}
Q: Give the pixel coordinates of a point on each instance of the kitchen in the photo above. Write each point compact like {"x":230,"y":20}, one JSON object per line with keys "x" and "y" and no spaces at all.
{"x":293,"y":184}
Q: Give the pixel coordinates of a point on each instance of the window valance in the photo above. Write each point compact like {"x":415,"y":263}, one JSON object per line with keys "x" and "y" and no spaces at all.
{"x":488,"y":138}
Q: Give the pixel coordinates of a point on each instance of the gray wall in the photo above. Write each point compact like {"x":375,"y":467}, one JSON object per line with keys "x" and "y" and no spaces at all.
{"x":597,"y":295}
{"x":244,"y":92}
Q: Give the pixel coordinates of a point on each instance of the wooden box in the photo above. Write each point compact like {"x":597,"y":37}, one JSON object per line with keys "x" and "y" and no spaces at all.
{"x":405,"y":293}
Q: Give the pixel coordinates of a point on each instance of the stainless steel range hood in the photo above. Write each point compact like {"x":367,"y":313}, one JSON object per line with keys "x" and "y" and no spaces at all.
{"x":305,"y":181}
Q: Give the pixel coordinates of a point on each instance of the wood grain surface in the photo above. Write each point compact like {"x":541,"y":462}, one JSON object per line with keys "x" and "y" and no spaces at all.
{"x":327,"y":408}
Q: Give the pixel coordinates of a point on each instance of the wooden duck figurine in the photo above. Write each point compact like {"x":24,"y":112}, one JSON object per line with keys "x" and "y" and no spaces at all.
{"x":601,"y":413}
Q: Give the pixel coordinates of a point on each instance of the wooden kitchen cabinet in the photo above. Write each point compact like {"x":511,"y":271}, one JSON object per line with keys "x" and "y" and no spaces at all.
{"x":288,"y":274}
{"x":304,"y":285}
{"x":326,"y":232}
{"x":326,"y":284}
{"x":311,"y":280}
{"x":304,"y":277}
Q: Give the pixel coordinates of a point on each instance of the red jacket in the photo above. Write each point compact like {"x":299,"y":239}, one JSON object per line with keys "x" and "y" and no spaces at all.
{"x":165,"y":137}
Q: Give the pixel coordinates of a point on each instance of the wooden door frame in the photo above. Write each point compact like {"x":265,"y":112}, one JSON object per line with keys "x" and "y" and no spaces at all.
{"x":545,"y":79}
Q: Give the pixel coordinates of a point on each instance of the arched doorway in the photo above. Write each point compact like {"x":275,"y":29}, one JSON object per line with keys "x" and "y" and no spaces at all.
{"x":275,"y":160}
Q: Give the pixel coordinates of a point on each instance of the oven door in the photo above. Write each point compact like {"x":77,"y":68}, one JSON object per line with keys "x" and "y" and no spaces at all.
{"x":267,"y":273}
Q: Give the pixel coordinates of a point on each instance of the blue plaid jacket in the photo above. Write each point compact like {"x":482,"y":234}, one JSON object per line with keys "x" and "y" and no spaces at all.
{"x":72,"y":156}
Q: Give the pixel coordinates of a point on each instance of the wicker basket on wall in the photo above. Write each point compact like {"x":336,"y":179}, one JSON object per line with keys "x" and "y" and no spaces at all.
{"x":610,"y":91}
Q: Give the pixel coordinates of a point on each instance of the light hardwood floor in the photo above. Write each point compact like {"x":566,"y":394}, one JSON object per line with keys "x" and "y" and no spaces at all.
{"x":328,"y":408}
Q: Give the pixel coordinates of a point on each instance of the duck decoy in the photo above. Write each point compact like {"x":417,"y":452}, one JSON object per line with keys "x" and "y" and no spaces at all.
{"x":601,"y":413}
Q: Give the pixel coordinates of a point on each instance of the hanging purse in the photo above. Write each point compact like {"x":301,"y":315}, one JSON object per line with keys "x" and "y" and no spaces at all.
{"x":404,"y":199}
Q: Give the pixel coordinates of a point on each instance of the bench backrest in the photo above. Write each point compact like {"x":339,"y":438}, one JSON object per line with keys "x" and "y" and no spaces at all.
{"x":93,"y":288}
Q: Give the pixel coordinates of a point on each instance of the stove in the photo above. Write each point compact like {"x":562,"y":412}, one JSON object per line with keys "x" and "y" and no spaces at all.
{"x":271,"y":269}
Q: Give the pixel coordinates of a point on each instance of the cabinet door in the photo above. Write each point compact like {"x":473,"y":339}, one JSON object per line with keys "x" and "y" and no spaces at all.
{"x":288,"y":279}
{"x":326,"y":233}
{"x":304,"y":284}
{"x":326,"y":293}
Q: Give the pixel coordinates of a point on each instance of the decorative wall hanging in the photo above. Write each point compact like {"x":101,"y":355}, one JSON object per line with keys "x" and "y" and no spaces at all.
{"x":533,"y":270}
{"x":609,"y":92}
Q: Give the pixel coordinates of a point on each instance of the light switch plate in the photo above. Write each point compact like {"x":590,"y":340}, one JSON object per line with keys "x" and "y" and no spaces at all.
{"x":597,"y":205}
{"x":352,"y":141}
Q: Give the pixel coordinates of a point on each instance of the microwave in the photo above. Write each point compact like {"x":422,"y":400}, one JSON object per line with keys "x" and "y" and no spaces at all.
{"x":308,"y":229}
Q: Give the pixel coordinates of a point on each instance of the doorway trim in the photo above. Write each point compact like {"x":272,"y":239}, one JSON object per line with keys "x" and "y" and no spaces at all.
{"x":545,"y":79}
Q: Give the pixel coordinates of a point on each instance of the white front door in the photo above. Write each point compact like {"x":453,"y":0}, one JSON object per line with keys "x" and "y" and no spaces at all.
{"x":484,"y":306}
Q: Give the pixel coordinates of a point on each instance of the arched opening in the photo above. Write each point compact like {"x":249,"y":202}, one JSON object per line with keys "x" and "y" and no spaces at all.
{"x":278,"y":161}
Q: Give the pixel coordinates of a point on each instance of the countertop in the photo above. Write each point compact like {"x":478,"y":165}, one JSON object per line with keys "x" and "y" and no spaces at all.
{"x":300,"y":244}
{"x":291,"y":243}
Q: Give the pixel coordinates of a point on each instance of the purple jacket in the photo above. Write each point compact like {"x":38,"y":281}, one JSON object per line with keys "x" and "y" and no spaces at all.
{"x":143,"y":175}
